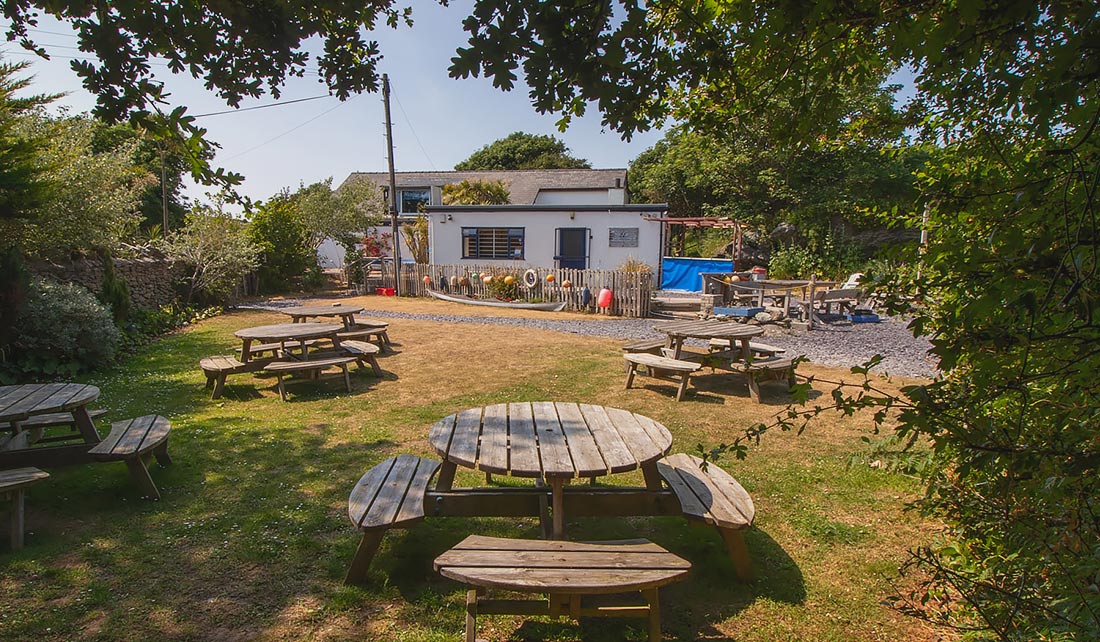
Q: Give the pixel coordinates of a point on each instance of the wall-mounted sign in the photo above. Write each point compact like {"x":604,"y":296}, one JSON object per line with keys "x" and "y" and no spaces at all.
{"x":622,"y":237}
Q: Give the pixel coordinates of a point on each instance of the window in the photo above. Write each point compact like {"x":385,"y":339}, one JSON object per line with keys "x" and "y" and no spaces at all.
{"x":492,"y":243}
{"x":414,"y":200}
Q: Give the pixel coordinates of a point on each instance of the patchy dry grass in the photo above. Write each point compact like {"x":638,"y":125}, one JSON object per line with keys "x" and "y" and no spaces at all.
{"x":251,"y":539}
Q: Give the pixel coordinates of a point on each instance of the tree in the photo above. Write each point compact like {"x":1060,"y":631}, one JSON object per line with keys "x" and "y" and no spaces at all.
{"x":416,"y":238}
{"x":522,"y":151}
{"x":476,"y":193}
{"x":237,"y":51}
{"x":284,"y":241}
{"x":1005,"y":91}
{"x":216,"y":249}
{"x":93,"y":202}
{"x":24,"y":185}
{"x":338,"y":215}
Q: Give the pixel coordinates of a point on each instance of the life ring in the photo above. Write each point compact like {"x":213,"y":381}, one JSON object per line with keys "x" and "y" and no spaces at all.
{"x":530,"y":279}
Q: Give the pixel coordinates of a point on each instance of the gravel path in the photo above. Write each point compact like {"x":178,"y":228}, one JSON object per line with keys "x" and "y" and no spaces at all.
{"x":839,"y":343}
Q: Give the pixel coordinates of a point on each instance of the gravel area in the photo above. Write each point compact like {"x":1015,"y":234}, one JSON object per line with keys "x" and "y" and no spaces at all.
{"x":838,"y":343}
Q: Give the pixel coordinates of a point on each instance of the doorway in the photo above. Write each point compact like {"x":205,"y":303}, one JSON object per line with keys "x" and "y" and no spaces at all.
{"x":572,"y":248}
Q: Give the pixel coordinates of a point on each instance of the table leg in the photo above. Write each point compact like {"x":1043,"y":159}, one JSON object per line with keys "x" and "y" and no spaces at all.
{"x":746,"y":351}
{"x":557,"y":492}
{"x":246,"y":350}
{"x":652,"y":476}
{"x":544,"y":510}
{"x":446,"y":477}
{"x":85,"y":425}
{"x":17,"y":501}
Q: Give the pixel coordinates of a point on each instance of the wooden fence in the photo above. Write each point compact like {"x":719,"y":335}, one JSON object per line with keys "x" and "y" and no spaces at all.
{"x":630,"y":291}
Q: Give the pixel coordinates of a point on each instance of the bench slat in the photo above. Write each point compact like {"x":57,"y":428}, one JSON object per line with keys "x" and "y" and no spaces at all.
{"x":391,"y":493}
{"x":712,"y":496}
{"x":663,"y":363}
{"x":312,"y":364}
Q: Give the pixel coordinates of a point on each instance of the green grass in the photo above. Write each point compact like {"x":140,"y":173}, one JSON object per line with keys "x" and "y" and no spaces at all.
{"x":251,"y":539}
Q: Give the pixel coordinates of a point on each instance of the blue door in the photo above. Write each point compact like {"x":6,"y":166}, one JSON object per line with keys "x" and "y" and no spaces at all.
{"x":573,"y":248}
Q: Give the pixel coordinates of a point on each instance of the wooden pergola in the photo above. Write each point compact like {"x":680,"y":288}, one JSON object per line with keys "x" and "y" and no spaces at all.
{"x":682,"y":224}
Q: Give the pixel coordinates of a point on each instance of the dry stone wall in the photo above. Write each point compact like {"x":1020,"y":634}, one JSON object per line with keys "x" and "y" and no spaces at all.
{"x":150,"y":279}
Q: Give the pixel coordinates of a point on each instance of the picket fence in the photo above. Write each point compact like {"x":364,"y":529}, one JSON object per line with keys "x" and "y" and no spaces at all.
{"x":630,"y":291}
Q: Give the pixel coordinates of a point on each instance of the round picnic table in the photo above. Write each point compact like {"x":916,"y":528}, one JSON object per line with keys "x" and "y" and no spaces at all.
{"x":731,"y":331}
{"x":19,"y":403}
{"x":550,"y":441}
{"x":287,"y":332}
{"x":304,"y":313}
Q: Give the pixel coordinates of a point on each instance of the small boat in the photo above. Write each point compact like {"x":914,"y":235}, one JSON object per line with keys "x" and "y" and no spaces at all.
{"x":493,"y":303}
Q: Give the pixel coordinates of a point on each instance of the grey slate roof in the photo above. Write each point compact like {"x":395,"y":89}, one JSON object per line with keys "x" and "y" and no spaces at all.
{"x":523,"y":184}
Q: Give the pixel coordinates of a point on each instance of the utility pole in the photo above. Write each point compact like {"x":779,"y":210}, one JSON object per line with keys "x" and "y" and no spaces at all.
{"x":163,"y":194}
{"x":393,"y":189}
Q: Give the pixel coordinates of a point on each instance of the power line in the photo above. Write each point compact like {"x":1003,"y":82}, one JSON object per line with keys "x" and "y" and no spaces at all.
{"x":278,"y":104}
{"x":292,"y":129}
{"x":408,"y":121}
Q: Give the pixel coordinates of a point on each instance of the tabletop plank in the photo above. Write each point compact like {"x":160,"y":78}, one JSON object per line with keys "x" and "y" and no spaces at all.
{"x":440,"y":434}
{"x":289,"y":331}
{"x":493,"y":451}
{"x":637,"y":437}
{"x":553,"y":448}
{"x":614,"y":450}
{"x":587,"y":460}
{"x":464,"y":443}
{"x":523,"y":447}
{"x":11,"y":394}
{"x":31,"y":403}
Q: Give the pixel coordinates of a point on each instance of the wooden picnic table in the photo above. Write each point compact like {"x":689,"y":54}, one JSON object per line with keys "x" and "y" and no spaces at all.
{"x":19,"y":403}
{"x":304,"y":313}
{"x":283,"y":333}
{"x":678,"y":331}
{"x":550,"y":441}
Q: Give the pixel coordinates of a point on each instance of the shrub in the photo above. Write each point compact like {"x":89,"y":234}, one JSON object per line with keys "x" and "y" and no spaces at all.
{"x":61,"y":331}
{"x":497,"y":288}
{"x":114,"y":292}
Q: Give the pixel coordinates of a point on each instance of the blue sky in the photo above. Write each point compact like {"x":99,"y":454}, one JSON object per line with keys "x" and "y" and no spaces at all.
{"x":437,"y":121}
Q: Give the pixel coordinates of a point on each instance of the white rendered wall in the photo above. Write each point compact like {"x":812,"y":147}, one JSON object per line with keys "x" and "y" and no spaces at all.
{"x":540,"y":237}
{"x":581,"y":197}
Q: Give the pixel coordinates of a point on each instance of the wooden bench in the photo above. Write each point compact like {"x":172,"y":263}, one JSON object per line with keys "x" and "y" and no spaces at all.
{"x":652,"y":346}
{"x":713,"y":497}
{"x":217,"y":369}
{"x":13,"y":483}
{"x":660,"y":367}
{"x":362,"y":350}
{"x":364,"y":322}
{"x":389,"y":495}
{"x":280,"y":368}
{"x":566,"y":572}
{"x":844,"y":298}
{"x":766,"y":369}
{"x":758,"y":349}
{"x":134,"y":441}
{"x":31,"y":430}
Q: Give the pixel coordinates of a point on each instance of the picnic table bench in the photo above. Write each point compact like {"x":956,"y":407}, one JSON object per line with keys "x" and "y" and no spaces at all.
{"x":133,"y":441}
{"x":714,"y":497}
{"x":660,"y":367}
{"x":566,"y":572}
{"x":313,"y":366}
{"x":218,"y":368}
{"x":13,"y":483}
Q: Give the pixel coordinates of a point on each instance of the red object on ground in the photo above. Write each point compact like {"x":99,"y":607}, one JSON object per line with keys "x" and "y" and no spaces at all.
{"x":603,"y":299}
{"x":384,"y":291}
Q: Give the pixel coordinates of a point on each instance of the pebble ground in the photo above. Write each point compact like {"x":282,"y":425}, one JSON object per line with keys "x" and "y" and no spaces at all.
{"x":838,"y":343}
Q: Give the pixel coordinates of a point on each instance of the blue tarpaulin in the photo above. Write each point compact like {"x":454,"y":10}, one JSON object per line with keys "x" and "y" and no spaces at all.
{"x":683,"y":274}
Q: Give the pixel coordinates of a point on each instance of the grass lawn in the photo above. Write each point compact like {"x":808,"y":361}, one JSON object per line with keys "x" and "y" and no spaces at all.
{"x":251,"y":539}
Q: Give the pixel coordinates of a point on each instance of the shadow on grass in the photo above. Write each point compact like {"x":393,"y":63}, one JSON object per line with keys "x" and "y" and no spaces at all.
{"x":691,"y":610}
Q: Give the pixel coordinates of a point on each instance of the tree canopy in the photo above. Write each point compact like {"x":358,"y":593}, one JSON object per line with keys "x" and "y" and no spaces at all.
{"x":476,"y":193}
{"x":523,"y":151}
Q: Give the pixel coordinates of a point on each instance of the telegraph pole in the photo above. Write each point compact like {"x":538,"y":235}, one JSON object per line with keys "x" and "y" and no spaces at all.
{"x":394,"y":228}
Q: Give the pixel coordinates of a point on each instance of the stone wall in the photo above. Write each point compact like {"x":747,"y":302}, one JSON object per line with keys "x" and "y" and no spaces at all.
{"x":150,"y":279}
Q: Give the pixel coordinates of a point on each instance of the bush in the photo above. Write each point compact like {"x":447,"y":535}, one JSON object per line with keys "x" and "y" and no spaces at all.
{"x":147,"y":324}
{"x":115,"y":292}
{"x":61,"y":331}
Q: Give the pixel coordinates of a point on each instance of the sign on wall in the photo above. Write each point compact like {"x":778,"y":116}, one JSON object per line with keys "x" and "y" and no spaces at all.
{"x":622,"y":237}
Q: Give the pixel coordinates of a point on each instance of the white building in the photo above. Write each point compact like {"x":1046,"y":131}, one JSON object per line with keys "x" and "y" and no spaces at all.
{"x":570,"y":218}
{"x":554,"y":236}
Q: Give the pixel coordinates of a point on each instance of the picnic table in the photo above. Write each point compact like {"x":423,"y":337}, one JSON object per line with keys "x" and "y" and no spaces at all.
{"x":23,"y":402}
{"x":731,"y":331}
{"x":304,"y":313}
{"x":551,"y":441}
{"x":283,"y":333}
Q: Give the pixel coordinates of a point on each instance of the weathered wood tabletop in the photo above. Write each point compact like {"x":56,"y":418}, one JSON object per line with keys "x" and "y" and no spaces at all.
{"x":303,"y":313}
{"x":18,"y":403}
{"x":287,"y":332}
{"x":677,"y":331}
{"x":554,"y":441}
